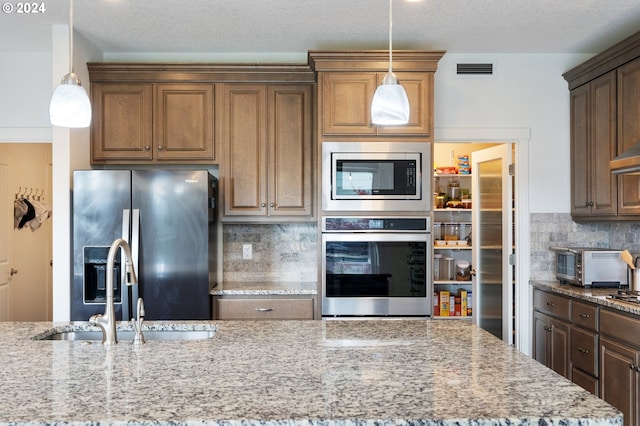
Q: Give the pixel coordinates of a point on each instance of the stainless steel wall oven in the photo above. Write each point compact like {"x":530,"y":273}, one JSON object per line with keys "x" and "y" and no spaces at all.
{"x":376,"y":266}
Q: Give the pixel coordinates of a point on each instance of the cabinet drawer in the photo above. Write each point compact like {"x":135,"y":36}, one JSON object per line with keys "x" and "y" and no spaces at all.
{"x":584,"y":345}
{"x":585,"y":381}
{"x":552,"y":304}
{"x":584,"y":315}
{"x":621,"y":327}
{"x":253,"y":309}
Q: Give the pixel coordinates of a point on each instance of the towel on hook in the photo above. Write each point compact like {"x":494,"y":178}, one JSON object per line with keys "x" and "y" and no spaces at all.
{"x":29,"y":215}
{"x":19,"y":210}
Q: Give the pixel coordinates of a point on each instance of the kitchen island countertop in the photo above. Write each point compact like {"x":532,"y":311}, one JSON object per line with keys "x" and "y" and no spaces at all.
{"x":351,"y":372}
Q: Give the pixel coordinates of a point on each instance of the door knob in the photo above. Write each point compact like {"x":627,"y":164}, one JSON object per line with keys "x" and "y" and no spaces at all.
{"x":13,"y":271}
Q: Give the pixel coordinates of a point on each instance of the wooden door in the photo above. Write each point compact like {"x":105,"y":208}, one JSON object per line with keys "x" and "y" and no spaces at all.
{"x":122,"y":123}
{"x":560,"y":348}
{"x":628,"y":133}
{"x":618,"y":379}
{"x":25,"y":294}
{"x":580,"y":146}
{"x":244,"y":136}
{"x":346,"y":103}
{"x":419,"y":88}
{"x":183,"y":121}
{"x":6,"y":267}
{"x":603,"y":183}
{"x":289,"y":159}
{"x":541,"y":333}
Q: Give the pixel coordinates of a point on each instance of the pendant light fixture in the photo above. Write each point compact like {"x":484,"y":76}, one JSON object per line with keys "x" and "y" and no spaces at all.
{"x":70,"y":106}
{"x":390,"y":105}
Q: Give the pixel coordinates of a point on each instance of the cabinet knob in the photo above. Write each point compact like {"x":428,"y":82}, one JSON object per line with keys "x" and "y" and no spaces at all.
{"x":584,"y":315}
{"x":584,"y":351}
{"x":263,"y":204}
{"x":147,"y":147}
{"x":633,"y":367}
{"x":551,"y":304}
{"x":271,"y":204}
{"x":590,"y":204}
{"x":159,"y":147}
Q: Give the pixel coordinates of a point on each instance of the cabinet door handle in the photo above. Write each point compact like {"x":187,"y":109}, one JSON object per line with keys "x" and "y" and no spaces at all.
{"x":264,"y":309}
{"x":585,"y":315}
{"x":584,"y":351}
{"x":551,"y":304}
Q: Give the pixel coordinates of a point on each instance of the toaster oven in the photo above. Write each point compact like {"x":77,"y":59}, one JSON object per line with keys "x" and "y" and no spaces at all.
{"x":590,"y":267}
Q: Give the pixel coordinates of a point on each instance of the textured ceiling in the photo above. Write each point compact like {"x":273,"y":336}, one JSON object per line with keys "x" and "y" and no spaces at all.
{"x":295,"y":26}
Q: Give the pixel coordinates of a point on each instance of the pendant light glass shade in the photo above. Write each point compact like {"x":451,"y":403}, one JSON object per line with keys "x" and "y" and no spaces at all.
{"x":390,"y":104}
{"x":70,"y":106}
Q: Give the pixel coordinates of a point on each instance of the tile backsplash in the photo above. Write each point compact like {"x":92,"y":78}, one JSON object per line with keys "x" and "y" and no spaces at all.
{"x":288,"y":252}
{"x":558,"y":229}
{"x":280,"y":252}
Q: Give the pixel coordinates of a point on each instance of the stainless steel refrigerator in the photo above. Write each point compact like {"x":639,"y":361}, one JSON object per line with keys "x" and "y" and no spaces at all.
{"x":168,"y":218}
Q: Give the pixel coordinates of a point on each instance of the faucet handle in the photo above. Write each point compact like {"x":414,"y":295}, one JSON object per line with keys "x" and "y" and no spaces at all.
{"x":137,"y":323}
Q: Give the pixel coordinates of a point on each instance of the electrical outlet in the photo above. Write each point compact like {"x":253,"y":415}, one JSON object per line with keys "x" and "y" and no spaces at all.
{"x":247,"y":251}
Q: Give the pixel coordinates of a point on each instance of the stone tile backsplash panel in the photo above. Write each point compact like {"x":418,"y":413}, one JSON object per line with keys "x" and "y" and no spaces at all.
{"x":559,"y":229}
{"x":281,"y":252}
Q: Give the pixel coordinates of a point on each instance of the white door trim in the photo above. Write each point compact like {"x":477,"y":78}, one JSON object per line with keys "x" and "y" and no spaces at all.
{"x":519,"y":136}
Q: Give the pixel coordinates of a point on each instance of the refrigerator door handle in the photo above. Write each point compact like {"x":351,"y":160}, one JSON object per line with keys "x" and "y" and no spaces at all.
{"x":135,"y":250}
{"x":124,"y":289}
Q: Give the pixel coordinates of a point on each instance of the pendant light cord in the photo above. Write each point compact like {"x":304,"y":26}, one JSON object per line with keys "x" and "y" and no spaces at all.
{"x":390,"y":35}
{"x":70,"y":36}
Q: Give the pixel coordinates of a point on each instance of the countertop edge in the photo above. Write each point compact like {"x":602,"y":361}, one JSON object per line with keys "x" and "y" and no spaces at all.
{"x":598,"y":296}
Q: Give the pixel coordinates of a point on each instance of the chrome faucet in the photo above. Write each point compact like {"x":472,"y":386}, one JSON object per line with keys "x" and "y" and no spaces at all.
{"x":107,"y":321}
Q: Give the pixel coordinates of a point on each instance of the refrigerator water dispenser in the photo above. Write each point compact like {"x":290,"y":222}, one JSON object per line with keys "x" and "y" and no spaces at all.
{"x":95,"y":275}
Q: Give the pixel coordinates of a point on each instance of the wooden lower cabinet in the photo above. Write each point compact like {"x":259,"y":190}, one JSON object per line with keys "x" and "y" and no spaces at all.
{"x":619,"y":363}
{"x":263,"y":308}
{"x":551,"y":343}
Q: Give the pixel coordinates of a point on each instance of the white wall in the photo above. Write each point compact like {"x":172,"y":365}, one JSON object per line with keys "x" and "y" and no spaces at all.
{"x":70,"y":150}
{"x":25,"y":90}
{"x":526,"y":91}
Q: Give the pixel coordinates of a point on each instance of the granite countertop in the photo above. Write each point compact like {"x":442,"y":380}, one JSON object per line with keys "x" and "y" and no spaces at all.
{"x":266,"y":288}
{"x":599,"y":296}
{"x":329,"y":372}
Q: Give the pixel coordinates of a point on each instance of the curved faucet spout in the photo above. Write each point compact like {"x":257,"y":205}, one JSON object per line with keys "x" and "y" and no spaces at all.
{"x":107,"y":321}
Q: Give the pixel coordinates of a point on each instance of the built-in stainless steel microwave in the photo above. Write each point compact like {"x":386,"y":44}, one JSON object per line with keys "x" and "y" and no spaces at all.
{"x":591,"y":267}
{"x":376,"y":176}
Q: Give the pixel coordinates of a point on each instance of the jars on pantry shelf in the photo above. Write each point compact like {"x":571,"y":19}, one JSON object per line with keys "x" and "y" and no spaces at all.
{"x":451,"y":231}
{"x":447,"y":270}
{"x":463,"y":271}
{"x":437,"y":261}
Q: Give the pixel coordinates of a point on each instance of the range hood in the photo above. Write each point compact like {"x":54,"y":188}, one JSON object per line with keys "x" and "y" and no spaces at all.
{"x":628,"y":162}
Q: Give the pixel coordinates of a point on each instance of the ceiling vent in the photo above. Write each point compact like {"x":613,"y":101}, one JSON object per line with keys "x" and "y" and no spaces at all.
{"x":474,"y":69}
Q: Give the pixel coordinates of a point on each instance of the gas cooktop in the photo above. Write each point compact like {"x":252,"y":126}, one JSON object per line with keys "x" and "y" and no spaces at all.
{"x":630,"y":296}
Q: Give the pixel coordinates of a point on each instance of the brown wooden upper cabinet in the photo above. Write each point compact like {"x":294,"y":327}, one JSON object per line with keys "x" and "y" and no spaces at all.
{"x":152,"y":122}
{"x":605,"y":121}
{"x":593,"y":145}
{"x":265,"y":130}
{"x":347,"y":96}
{"x":347,"y":81}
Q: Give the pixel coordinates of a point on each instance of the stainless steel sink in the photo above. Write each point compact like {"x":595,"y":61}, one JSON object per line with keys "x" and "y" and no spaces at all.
{"x":87,"y":335}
